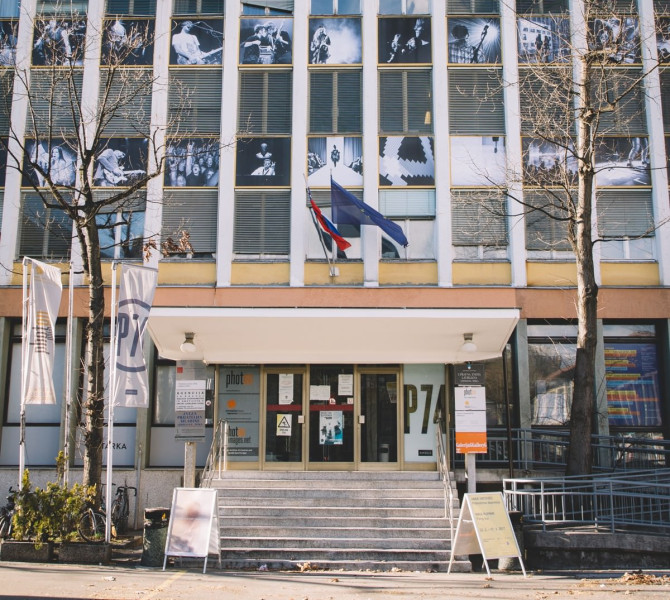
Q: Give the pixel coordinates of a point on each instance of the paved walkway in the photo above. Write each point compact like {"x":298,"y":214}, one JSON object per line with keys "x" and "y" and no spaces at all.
{"x":128,"y":581}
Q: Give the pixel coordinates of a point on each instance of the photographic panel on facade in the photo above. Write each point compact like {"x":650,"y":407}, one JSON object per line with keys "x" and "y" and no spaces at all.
{"x":128,"y":42}
{"x":548,"y":163}
{"x":543,"y":39}
{"x":198,"y":42}
{"x":267,"y":41}
{"x":335,"y":156}
{"x":474,"y":41}
{"x":478,"y":161}
{"x":263,"y":161}
{"x":406,"y":161}
{"x":120,"y":162}
{"x":335,"y":41}
{"x":54,"y":158}
{"x":192,"y":162}
{"x":59,"y":42}
{"x":622,"y":161}
{"x":8,"y":41}
{"x":619,"y":36}
{"x":663,"y":39}
{"x":404,"y":40}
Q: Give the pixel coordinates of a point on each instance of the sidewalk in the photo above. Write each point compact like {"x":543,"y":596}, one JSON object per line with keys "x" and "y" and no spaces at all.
{"x":127,"y":580}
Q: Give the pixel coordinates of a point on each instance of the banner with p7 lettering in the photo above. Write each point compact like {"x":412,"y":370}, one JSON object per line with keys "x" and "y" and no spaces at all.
{"x":135,"y":297}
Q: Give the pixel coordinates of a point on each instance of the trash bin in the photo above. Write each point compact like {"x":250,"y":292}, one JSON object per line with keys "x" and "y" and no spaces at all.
{"x":383,"y":452}
{"x":156,"y":522}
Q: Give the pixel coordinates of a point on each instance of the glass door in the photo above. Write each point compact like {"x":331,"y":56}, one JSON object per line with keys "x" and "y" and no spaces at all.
{"x":378,"y":418}
{"x":284,"y":420}
{"x":331,"y":416}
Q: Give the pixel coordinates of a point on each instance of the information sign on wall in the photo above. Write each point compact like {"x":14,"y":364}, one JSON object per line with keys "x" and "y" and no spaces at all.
{"x":470,"y":413}
{"x":190,"y":396}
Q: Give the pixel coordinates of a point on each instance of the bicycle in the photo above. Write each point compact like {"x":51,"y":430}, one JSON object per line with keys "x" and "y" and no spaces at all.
{"x":7,"y":513}
{"x":121,"y":508}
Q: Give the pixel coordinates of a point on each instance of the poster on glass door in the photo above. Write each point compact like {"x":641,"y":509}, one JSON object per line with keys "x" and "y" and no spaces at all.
{"x":331,"y":427}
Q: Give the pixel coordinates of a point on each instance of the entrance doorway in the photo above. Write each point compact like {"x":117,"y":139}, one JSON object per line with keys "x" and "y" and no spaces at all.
{"x":332,"y":417}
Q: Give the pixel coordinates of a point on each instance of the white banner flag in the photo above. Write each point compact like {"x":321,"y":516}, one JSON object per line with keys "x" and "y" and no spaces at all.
{"x":135,"y":298}
{"x":45,"y":293}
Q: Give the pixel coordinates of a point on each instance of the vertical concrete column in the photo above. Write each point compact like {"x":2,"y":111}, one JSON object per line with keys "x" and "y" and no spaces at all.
{"x":299,"y":213}
{"x":444,"y":252}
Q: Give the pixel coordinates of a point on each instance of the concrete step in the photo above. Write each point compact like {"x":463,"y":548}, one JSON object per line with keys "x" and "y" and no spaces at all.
{"x":341,"y":531}
{"x":336,"y":543}
{"x":285,"y":564}
{"x":349,"y":476}
{"x":302,"y":491}
{"x":335,"y":502}
{"x":323,"y":555}
{"x":346,"y":512}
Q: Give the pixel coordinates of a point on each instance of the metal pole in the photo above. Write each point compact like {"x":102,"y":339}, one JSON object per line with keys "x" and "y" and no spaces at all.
{"x":110,"y":407}
{"x":24,"y":382}
{"x":508,"y":409}
{"x":68,"y":381}
{"x":225,"y":446}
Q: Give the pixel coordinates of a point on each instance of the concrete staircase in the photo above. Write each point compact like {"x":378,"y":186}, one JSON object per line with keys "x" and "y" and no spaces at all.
{"x":335,"y":520}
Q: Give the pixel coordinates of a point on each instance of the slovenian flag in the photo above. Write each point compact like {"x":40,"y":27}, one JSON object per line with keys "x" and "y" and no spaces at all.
{"x":327,"y":226}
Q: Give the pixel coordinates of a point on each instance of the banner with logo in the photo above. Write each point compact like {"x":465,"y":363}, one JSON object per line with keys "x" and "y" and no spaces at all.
{"x":45,"y":294}
{"x":135,"y":297}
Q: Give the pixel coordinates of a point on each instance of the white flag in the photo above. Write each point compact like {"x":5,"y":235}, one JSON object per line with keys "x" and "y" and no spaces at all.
{"x":135,"y":298}
{"x":45,"y":293}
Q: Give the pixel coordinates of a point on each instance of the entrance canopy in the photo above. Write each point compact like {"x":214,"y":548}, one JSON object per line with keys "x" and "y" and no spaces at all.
{"x":331,"y":335}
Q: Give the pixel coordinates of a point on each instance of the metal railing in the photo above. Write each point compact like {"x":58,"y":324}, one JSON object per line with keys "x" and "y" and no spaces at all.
{"x":445,"y":476}
{"x":611,"y":501}
{"x":546,"y":449}
{"x":217,"y":459}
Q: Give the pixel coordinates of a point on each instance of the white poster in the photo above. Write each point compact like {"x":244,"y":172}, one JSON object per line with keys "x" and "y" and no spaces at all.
{"x":45,"y":294}
{"x":319,"y":393}
{"x":135,"y":297}
{"x":470,"y":398}
{"x":285,"y":388}
{"x":284,"y":425}
{"x":190,"y":394}
{"x":345,"y":384}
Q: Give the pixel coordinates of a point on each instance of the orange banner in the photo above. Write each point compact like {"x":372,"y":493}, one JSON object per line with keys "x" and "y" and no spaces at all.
{"x":471,"y":442}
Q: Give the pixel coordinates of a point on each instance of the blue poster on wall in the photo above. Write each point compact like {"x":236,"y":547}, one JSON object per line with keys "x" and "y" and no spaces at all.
{"x":632,"y":385}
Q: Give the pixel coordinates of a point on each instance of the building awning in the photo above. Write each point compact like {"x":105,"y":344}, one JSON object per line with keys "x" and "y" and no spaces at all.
{"x":331,"y":335}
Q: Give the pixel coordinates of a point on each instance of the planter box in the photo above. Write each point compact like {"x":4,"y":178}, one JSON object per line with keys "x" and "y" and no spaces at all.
{"x":84,"y":553}
{"x":26,"y":551}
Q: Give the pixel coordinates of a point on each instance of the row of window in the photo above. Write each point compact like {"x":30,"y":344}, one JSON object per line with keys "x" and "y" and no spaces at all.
{"x":634,"y":398}
{"x":333,"y":41}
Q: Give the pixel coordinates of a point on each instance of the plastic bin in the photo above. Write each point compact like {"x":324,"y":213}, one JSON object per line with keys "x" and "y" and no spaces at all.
{"x":156,"y":522}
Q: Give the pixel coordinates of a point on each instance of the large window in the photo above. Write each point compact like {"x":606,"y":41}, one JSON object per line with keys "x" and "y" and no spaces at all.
{"x":262,"y":223}
{"x":626,"y":225}
{"x":552,"y":351}
{"x":43,"y":232}
{"x":405,"y":101}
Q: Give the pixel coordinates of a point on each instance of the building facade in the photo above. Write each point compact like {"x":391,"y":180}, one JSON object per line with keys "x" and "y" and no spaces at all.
{"x":322,"y":358}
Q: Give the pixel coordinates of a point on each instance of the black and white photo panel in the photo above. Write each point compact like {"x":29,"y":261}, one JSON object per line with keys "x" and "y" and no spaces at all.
{"x":55,"y":160}
{"x":477,"y":161}
{"x":196,"y":42}
{"x":59,"y":42}
{"x":548,"y":163}
{"x":404,"y":40}
{"x":619,"y":35}
{"x":622,"y":161}
{"x":8,"y":40}
{"x":339,"y":157}
{"x":128,"y":42}
{"x":406,"y":161}
{"x":474,"y":41}
{"x":120,"y":162}
{"x":192,"y":162}
{"x":335,"y":41}
{"x":267,"y":41}
{"x":543,"y":39}
{"x":663,"y":39}
{"x":263,"y":161}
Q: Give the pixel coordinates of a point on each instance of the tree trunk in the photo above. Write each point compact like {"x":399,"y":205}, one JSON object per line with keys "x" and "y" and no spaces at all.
{"x":580,"y":453}
{"x":94,"y":396}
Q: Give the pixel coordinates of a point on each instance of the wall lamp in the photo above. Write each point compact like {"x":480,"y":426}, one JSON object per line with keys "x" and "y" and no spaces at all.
{"x":188,"y":345}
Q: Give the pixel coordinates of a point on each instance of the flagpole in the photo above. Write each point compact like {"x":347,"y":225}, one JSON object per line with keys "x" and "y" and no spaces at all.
{"x":110,"y":407}
{"x":24,"y":370}
{"x":68,"y":381}
{"x":318,"y":229}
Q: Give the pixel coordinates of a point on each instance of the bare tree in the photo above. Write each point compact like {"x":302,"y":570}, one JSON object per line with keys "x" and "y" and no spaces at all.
{"x":581,"y":91}
{"x":77,"y":168}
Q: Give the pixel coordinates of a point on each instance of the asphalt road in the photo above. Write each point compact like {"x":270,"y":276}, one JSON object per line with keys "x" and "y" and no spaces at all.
{"x":56,"y":581}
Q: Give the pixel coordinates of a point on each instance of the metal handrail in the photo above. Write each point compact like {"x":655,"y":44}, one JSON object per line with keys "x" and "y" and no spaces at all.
{"x":445,"y":476}
{"x":218,"y":454}
{"x":615,"y":501}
